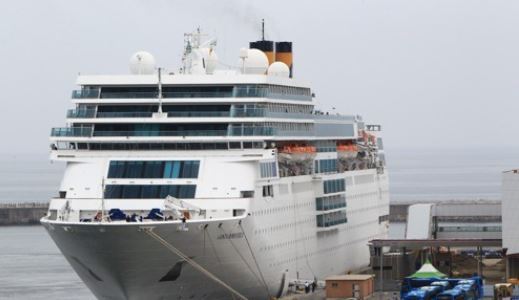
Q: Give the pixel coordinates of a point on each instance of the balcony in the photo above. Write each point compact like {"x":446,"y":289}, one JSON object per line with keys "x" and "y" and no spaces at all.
{"x":248,"y":112}
{"x":128,"y":95}
{"x":187,"y":114}
{"x":87,"y":132}
{"x":86,"y":94}
{"x":72,"y":131}
{"x":81,"y":113}
{"x":252,"y":131}
{"x":144,"y":133}
{"x":238,"y":113}
{"x":124,"y":114}
{"x":197,"y":94}
{"x":237,"y":92}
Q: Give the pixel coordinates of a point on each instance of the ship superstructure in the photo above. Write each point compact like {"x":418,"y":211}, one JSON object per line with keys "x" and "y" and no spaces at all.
{"x":207,"y":183}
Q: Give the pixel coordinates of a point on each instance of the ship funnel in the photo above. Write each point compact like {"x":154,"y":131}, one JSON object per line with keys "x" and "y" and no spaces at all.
{"x":284,"y":54}
{"x":266,"y":47}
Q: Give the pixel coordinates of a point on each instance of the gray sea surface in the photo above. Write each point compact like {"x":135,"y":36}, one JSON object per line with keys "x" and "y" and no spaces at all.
{"x":31,"y":266}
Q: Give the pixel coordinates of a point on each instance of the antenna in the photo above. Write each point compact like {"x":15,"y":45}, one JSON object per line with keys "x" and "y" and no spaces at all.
{"x":160,"y":90}
{"x":262,"y":29}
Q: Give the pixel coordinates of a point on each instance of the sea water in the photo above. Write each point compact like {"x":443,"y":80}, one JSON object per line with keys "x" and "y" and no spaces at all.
{"x":31,"y":266}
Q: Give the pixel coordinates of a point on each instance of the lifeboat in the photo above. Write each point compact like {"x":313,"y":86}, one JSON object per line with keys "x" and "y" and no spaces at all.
{"x":297,"y":148}
{"x":347,"y":150}
{"x":296,"y":159}
{"x":369,"y":139}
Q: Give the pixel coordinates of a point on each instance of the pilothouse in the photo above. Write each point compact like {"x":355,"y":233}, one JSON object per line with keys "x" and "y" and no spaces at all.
{"x":212,"y":182}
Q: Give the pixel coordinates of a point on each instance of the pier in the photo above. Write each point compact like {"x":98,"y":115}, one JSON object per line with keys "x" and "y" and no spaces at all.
{"x":22,"y":213}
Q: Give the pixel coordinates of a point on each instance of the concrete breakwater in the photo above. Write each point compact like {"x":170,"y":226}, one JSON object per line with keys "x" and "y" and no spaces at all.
{"x":30,"y":213}
{"x":22,"y":213}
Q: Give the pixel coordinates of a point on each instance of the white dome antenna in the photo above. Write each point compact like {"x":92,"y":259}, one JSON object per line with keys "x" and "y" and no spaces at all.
{"x":279,"y":69}
{"x":254,"y":61}
{"x":142,"y":63}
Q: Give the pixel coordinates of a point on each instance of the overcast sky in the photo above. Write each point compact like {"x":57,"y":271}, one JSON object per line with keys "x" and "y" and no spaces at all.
{"x":439,"y":73}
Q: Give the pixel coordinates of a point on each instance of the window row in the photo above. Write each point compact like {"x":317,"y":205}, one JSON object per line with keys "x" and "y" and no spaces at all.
{"x":243,"y":90}
{"x":325,"y":146}
{"x":330,"y":202}
{"x":154,"y":169}
{"x":326,"y":165}
{"x":149,"y":191}
{"x":332,"y":219}
{"x":334,"y":186}
{"x":158,"y":146}
{"x":268,"y":169}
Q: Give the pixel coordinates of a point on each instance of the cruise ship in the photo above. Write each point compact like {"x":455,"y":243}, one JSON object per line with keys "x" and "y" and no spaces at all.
{"x":213,"y":181}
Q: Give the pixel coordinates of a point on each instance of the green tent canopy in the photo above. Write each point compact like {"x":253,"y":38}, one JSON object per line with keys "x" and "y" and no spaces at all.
{"x":428,"y":271}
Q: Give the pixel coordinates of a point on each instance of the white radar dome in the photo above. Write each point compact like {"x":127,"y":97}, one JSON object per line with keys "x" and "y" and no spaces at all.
{"x":279,"y":69}
{"x":142,"y":62}
{"x":256,"y":62}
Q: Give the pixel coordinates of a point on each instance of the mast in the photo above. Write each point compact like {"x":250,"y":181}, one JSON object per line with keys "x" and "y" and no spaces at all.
{"x":160,"y":90}
{"x":262,"y":29}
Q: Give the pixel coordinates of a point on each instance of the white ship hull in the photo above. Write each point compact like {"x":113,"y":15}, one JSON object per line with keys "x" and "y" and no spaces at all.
{"x":257,"y":254}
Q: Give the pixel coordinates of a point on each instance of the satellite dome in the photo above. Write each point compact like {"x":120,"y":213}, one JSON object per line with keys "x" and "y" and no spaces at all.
{"x":142,"y":62}
{"x":256,"y":62}
{"x":278,"y":69}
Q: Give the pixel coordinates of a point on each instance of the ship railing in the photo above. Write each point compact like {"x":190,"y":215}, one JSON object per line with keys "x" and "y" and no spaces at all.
{"x":81,"y":113}
{"x":252,"y":131}
{"x":198,"y":113}
{"x":129,"y":95}
{"x":289,"y":115}
{"x":162,"y":133}
{"x":334,"y":117}
{"x":91,"y":93}
{"x":238,"y":113}
{"x":248,"y":112}
{"x":71,"y":131}
{"x":232,"y":131}
{"x":124,"y":114}
{"x":238,"y":92}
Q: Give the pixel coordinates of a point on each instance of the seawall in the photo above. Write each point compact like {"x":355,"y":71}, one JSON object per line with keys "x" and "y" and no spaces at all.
{"x":22,"y":213}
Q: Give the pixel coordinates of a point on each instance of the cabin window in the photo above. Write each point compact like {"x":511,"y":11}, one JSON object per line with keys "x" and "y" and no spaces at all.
{"x":334,"y":186}
{"x":154,"y":169}
{"x":122,"y":191}
{"x":268,"y":191}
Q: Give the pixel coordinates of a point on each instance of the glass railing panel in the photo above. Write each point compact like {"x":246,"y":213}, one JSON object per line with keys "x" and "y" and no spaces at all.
{"x":131,"y":95}
{"x":239,"y":92}
{"x":72,"y":131}
{"x":85,"y":94}
{"x":124,"y":114}
{"x":248,"y":112}
{"x":162,"y":133}
{"x":289,"y":115}
{"x":81,"y":113}
{"x":196,"y":94}
{"x":181,"y":114}
{"x":289,"y":96}
{"x":251,"y":131}
{"x":295,"y":133}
